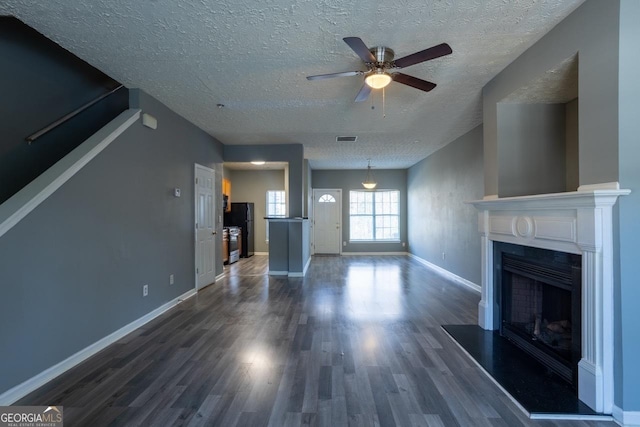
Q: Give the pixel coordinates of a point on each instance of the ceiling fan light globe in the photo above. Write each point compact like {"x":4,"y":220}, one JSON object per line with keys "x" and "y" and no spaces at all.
{"x":378,"y":80}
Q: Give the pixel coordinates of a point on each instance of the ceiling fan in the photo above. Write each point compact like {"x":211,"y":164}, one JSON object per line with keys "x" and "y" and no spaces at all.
{"x":381,"y":67}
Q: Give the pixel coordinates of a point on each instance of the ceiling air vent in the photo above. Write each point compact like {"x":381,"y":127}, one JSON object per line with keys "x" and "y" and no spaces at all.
{"x":346,"y":138}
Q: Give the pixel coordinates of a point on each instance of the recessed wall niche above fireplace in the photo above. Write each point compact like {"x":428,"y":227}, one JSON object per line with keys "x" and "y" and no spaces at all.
{"x":539,"y":297}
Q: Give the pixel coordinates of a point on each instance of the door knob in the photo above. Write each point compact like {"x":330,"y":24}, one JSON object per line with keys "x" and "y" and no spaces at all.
{"x":214,"y":232}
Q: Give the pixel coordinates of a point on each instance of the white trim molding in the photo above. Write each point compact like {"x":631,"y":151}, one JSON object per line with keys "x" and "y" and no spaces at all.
{"x":306,"y":266}
{"x":37,"y":191}
{"x":447,"y":274}
{"x":579,"y":222}
{"x":278,"y":273}
{"x":626,"y":418}
{"x":12,"y":395}
{"x":373,"y":253}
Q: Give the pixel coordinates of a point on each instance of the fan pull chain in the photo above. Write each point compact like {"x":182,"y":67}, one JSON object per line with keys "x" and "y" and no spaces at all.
{"x":384,"y":114}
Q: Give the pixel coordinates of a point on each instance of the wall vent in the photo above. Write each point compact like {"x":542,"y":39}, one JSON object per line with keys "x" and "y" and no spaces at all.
{"x":346,"y":138}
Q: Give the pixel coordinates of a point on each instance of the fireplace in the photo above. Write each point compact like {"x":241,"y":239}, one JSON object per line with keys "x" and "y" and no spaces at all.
{"x":579,"y":223}
{"x":539,"y":292}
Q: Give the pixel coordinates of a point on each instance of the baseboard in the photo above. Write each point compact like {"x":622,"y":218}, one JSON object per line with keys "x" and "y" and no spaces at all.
{"x":278,"y":273}
{"x":261,"y":253}
{"x":626,"y":418}
{"x":304,"y":270}
{"x":447,"y":274}
{"x":18,"y":392}
{"x":374,"y":253}
{"x":221,"y":276}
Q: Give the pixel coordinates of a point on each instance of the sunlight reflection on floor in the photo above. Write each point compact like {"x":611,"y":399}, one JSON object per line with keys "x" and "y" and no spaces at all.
{"x":373,"y":292}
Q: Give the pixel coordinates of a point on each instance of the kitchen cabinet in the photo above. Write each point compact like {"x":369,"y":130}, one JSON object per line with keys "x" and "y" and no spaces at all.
{"x":226,"y":190}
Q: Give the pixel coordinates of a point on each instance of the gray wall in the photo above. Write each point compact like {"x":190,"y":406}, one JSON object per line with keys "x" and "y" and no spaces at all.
{"x":291,"y":153}
{"x":605,"y":35}
{"x":73,"y":269}
{"x":439,"y":220}
{"x":347,"y":180}
{"x":306,"y":189}
{"x":572,"y":153}
{"x":531,"y":140}
{"x":46,"y":83}
{"x":590,"y":30}
{"x":628,"y":378}
{"x":252,"y":186}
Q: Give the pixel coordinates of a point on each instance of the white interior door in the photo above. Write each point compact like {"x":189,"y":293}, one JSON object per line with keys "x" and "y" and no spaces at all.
{"x":327,"y":220}
{"x":205,"y":227}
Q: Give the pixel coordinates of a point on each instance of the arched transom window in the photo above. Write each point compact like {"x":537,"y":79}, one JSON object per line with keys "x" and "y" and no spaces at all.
{"x":327,"y":198}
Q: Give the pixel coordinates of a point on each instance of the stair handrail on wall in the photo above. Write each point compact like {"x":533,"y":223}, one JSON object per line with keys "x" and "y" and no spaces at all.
{"x":24,"y":201}
{"x":69,"y":116}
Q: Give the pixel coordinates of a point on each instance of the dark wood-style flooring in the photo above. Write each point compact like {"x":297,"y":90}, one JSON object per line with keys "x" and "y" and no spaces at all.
{"x":356,"y":342}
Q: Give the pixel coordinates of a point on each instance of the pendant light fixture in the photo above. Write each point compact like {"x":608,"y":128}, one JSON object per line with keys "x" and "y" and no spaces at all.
{"x":369,"y":183}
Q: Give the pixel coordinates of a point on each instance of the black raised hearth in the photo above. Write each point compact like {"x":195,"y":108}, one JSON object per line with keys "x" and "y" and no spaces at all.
{"x":540,"y":393}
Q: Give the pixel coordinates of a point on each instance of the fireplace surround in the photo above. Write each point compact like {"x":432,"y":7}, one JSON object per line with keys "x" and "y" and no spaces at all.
{"x":578,"y":222}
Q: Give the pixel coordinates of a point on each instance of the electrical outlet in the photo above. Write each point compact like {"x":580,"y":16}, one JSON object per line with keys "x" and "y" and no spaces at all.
{"x":443,"y":256}
{"x":404,"y":244}
{"x":171,"y":279}
{"x":344,"y":243}
{"x":145,"y":290}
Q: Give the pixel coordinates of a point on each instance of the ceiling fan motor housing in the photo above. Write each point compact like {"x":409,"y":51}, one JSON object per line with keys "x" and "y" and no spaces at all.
{"x":383,"y":55}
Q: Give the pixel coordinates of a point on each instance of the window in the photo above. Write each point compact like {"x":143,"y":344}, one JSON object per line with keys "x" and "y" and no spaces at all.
{"x":374,"y":215}
{"x":276,"y":203}
{"x":326,"y":198}
{"x":276,"y":206}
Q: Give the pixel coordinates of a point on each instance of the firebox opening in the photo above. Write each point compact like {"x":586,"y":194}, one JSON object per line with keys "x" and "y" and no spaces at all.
{"x":540,"y":305}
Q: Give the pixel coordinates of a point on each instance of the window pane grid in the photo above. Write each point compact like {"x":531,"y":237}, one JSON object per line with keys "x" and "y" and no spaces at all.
{"x":374,"y":215}
{"x":276,"y":203}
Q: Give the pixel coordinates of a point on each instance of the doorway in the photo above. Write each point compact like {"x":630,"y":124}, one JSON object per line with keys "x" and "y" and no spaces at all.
{"x":327,"y":221}
{"x":205,"y":229}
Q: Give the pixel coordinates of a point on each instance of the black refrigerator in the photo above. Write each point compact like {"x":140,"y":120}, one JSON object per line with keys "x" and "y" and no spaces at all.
{"x":241,"y":215}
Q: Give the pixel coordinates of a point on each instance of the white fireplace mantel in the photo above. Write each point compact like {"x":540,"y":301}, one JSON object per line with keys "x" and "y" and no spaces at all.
{"x":579,"y":222}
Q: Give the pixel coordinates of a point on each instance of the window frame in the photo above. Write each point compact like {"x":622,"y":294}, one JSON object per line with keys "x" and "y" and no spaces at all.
{"x":268,"y":214}
{"x":370,"y":212}
{"x":283,"y":203}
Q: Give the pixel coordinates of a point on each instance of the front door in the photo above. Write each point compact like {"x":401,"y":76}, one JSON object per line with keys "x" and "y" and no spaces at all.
{"x":327,"y":224}
{"x":205,"y":227}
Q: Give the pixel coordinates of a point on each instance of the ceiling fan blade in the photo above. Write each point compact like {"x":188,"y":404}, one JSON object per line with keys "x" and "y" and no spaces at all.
{"x":332,"y":75}
{"x":424,"y":55}
{"x":364,"y":93}
{"x":413,"y":82}
{"x":360,"y":48}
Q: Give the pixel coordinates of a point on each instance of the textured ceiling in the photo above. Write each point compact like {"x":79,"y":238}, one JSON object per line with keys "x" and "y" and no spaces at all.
{"x":556,"y":86}
{"x":253,"y":57}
